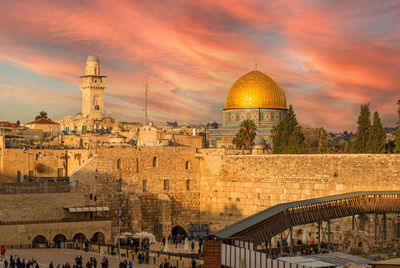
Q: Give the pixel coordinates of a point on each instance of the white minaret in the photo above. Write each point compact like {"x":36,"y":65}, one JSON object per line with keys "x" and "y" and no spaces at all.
{"x":92,"y":87}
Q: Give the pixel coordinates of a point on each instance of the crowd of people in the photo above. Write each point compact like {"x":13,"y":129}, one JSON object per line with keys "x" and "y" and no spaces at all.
{"x":16,"y":262}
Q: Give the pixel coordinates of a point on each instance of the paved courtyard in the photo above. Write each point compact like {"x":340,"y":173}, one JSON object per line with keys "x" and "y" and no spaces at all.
{"x":62,"y":256}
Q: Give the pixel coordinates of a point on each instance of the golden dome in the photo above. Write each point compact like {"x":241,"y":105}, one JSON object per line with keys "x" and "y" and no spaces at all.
{"x":255,"y":90}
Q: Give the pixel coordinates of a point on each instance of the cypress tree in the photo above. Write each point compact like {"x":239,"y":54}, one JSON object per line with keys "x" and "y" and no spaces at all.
{"x":377,"y":135}
{"x":364,"y":123}
{"x":396,"y":149}
{"x":323,"y":141}
{"x":288,"y":138}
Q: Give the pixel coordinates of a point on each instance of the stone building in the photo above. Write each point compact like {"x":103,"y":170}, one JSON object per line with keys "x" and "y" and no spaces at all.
{"x":254,"y":96}
{"x":44,"y":125}
{"x":50,"y":213}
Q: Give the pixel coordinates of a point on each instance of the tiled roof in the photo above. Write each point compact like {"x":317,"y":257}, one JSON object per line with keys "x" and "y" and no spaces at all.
{"x":43,"y":121}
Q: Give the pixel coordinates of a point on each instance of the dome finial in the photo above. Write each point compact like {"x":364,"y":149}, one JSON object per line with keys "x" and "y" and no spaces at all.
{"x":255,"y":63}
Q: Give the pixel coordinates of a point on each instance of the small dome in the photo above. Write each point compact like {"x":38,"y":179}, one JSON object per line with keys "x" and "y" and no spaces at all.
{"x":259,"y":140}
{"x":255,"y":90}
{"x":92,"y":58}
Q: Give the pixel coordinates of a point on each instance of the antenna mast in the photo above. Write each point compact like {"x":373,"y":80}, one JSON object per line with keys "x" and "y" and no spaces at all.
{"x":146,"y":90}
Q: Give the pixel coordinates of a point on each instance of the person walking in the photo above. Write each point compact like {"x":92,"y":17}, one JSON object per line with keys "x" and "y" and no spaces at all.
{"x":3,"y":252}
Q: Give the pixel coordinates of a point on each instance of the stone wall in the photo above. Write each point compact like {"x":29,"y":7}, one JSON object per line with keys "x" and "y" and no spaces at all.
{"x":158,"y":188}
{"x":36,"y":207}
{"x":16,"y":163}
{"x":234,"y":187}
{"x":160,"y":177}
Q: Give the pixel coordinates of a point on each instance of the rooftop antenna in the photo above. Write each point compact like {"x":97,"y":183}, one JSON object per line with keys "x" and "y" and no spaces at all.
{"x":146,"y":91}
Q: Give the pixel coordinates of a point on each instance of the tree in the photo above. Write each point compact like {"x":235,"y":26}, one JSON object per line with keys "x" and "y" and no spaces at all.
{"x":377,"y":134}
{"x":362,"y":136}
{"x":172,"y":123}
{"x":246,"y":134}
{"x":238,"y":140}
{"x":397,"y":133}
{"x":287,"y":136}
{"x":18,"y":123}
{"x":323,"y":141}
{"x":317,"y":140}
{"x":42,"y":114}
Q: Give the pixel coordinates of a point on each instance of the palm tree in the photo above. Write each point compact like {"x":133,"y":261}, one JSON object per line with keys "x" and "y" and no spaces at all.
{"x":42,"y":114}
{"x":246,"y":134}
{"x":238,"y":140}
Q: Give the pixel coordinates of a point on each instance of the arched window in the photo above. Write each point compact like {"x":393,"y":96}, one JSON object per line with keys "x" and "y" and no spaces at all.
{"x":187,"y":164}
{"x":137,"y":165}
{"x":119,"y":164}
{"x":155,"y":164}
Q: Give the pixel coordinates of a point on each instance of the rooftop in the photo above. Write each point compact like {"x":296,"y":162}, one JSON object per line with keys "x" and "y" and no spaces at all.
{"x":43,"y":121}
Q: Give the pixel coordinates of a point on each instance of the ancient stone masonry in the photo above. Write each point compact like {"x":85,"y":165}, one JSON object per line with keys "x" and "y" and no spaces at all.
{"x":15,"y":164}
{"x":158,"y":188}
{"x":233,"y":187}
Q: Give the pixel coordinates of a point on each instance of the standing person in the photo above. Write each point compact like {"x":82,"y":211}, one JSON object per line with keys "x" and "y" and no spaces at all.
{"x":2,"y":265}
{"x":3,"y":251}
{"x":51,"y":265}
{"x":94,"y":262}
{"x":193,"y":243}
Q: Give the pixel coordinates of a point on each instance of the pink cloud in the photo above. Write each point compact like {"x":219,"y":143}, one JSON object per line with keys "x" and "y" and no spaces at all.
{"x":329,"y":56}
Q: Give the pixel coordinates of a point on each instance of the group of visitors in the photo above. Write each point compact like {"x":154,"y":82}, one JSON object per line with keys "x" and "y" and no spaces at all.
{"x":16,"y":262}
{"x":125,"y":264}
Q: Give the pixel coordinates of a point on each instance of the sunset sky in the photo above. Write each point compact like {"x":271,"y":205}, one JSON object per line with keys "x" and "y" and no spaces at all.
{"x":329,"y":56}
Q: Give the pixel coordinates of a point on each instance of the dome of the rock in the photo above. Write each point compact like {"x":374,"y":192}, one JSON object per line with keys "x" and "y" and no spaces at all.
{"x":255,"y":90}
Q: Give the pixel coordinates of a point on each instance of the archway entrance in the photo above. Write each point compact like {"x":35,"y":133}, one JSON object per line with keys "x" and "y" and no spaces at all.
{"x":79,"y":237}
{"x":98,"y":238}
{"x":179,"y":230}
{"x":78,"y":240}
{"x":39,"y":242}
{"x":59,"y":240}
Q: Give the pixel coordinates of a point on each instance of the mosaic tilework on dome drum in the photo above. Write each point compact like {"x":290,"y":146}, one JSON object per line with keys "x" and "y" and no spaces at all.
{"x":259,"y":116}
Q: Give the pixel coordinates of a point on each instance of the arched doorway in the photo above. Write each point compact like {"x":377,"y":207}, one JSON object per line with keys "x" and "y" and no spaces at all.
{"x":98,"y":238}
{"x":79,"y":237}
{"x":78,"y":240}
{"x":179,"y":230}
{"x":59,"y":240}
{"x":39,"y":241}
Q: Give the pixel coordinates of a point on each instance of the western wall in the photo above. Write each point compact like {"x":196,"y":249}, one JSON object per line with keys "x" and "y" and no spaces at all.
{"x":158,"y":188}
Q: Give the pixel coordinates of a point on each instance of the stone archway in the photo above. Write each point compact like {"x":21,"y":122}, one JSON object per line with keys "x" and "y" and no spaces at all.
{"x":79,"y":237}
{"x":179,"y":230}
{"x":59,"y":240}
{"x":39,"y":241}
{"x":98,"y":237}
